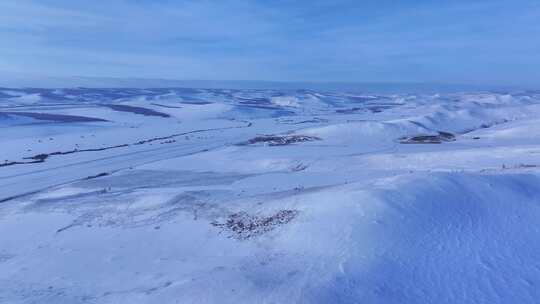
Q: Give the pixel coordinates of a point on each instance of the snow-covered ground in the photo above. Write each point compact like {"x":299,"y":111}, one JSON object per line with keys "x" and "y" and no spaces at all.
{"x":268,"y":196}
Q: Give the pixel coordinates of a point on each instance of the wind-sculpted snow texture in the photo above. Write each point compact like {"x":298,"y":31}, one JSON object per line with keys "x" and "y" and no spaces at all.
{"x":266,"y":196}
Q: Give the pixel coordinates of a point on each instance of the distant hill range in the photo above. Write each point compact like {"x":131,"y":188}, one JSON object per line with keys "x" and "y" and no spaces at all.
{"x":17,"y":81}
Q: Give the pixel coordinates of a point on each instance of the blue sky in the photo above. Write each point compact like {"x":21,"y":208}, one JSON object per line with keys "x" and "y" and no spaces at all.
{"x":478,"y":42}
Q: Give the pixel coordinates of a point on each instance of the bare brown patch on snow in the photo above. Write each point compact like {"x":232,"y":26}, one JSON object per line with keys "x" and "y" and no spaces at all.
{"x":242,"y":225}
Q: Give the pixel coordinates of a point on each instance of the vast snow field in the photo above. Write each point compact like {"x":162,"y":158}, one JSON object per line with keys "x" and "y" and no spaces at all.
{"x":268,"y":196}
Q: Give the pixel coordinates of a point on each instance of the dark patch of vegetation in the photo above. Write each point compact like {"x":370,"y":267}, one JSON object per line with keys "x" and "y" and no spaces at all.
{"x":280,"y":140}
{"x":299,"y":167}
{"x":372,"y":108}
{"x":377,"y":109}
{"x":244,"y":226}
{"x":349,"y":111}
{"x":136,"y":110}
{"x":292,"y":122}
{"x":40,"y":157}
{"x":527,"y":166}
{"x":519,"y":166}
{"x":43,"y":156}
{"x":97,"y":175}
{"x":429,"y":139}
{"x":12,"y":163}
{"x":55,"y":117}
{"x":170,"y":141}
{"x":196,"y":102}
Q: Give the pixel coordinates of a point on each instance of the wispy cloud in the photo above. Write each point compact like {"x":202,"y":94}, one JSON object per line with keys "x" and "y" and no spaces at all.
{"x":462,"y":41}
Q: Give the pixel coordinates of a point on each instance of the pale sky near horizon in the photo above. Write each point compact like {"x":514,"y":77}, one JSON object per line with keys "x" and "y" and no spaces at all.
{"x":478,"y":42}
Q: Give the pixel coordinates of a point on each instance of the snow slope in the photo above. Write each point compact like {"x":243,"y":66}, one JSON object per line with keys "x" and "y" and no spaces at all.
{"x":267,"y":196}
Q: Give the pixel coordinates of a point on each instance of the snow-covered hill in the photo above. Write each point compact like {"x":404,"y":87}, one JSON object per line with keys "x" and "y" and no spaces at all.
{"x":176,"y":195}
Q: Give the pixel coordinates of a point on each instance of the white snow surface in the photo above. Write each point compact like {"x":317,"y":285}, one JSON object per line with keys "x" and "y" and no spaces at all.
{"x":267,"y":196}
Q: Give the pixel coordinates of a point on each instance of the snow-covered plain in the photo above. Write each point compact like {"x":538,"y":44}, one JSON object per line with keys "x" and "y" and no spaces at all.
{"x":268,"y":196}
